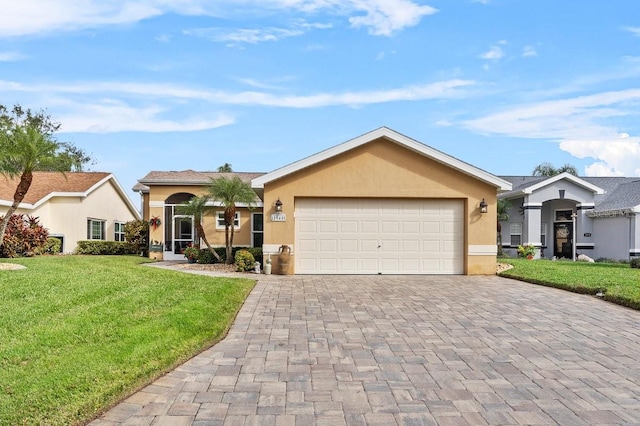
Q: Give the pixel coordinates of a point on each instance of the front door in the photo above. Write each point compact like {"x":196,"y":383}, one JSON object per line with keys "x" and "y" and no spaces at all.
{"x":563,"y":244}
{"x":182,"y":235}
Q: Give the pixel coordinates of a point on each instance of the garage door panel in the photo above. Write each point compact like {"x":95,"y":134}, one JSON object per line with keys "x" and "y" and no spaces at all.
{"x":367,"y":236}
{"x":349,"y":226}
{"x":369,"y":226}
{"x":348,"y":246}
{"x":368,"y":246}
{"x":328,"y":246}
{"x":328,"y":226}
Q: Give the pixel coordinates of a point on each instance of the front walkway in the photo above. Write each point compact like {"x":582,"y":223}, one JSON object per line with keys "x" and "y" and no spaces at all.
{"x":387,"y":350}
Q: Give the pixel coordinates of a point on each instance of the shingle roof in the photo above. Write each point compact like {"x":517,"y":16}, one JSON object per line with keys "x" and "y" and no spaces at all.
{"x":191,"y":177}
{"x":620,"y":192}
{"x":46,"y":183}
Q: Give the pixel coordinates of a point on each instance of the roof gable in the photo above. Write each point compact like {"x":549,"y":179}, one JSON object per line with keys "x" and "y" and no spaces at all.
{"x":563,"y":176}
{"x":47,"y":185}
{"x":393,"y":136}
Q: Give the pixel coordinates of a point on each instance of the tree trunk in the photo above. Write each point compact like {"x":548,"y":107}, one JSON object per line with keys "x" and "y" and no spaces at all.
{"x":499,"y":240}
{"x":202,"y":235}
{"x":229,"y":219}
{"x":21,"y":191}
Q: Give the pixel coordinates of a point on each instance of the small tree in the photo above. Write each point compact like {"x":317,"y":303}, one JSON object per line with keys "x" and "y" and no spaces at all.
{"x":548,"y":169}
{"x":136,"y":233}
{"x":230,"y":192}
{"x":503,"y":215}
{"x":196,"y":207}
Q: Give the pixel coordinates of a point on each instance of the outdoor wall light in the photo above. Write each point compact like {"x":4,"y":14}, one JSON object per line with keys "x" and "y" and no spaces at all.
{"x":483,"y":206}
{"x":278,"y":205}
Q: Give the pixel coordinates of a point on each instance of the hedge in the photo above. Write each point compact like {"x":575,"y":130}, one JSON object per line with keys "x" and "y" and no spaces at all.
{"x":99,"y":247}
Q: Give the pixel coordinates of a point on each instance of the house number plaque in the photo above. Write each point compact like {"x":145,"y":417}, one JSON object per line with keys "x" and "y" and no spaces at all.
{"x":278,"y":217}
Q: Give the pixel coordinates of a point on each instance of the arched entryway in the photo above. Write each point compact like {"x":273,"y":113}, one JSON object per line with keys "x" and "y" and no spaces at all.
{"x":179,"y":231}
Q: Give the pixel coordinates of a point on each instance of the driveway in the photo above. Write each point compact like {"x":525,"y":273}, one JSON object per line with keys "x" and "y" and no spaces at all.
{"x":406,"y":350}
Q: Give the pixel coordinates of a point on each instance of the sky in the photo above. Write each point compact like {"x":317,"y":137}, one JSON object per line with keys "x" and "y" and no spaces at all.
{"x":193,"y":84}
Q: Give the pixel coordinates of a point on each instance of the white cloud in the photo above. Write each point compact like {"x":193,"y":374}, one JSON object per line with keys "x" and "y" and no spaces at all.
{"x":494,"y":53}
{"x":634,"y":30}
{"x":529,"y":51}
{"x":379,"y":17}
{"x":251,"y":36}
{"x":12,"y":56}
{"x":125,"y":106}
{"x":579,"y":125}
{"x":385,"y":17}
{"x":439,"y":90}
{"x":110,"y":116}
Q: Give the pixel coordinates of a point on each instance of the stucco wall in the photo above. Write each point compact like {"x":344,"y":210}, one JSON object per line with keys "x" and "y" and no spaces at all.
{"x":383,"y":169}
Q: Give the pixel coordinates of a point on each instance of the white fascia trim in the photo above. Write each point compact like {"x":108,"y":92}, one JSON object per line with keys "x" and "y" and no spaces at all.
{"x":25,"y":206}
{"x":427,"y":151}
{"x":562,"y":176}
{"x":482,"y":250}
{"x":636,"y":209}
{"x":532,"y":205}
{"x":586,"y":204}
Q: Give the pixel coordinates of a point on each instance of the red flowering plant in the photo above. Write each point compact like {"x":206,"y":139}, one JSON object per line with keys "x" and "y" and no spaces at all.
{"x":191,"y":252}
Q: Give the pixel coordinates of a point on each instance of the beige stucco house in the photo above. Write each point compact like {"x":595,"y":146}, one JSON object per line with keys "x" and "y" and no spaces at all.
{"x":74,"y":206}
{"x":381,"y":203}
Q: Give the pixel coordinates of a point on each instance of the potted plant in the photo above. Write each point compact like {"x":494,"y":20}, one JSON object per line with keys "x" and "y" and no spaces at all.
{"x":528,"y":251}
{"x":191,"y":253}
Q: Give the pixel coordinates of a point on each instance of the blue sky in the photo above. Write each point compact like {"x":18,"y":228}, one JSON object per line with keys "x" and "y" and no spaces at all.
{"x":194,"y":84}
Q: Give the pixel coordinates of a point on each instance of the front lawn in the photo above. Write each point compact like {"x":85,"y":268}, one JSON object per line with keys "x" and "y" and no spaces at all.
{"x":79,"y":333}
{"x":619,"y":282}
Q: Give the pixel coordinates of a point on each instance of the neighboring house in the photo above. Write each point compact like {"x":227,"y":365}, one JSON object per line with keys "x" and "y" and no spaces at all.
{"x":381,"y":203}
{"x":74,"y":206}
{"x":163,"y":192}
{"x":600,"y":215}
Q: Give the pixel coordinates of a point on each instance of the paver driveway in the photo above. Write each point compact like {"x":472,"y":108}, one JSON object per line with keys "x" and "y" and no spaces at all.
{"x":406,"y":350}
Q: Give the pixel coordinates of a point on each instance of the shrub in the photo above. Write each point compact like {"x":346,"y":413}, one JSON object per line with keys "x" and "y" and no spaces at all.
{"x":206,"y":257}
{"x":53,"y":245}
{"x":24,"y":236}
{"x":527,"y":251}
{"x":136,"y":233}
{"x":244,"y":260}
{"x":635,"y":262}
{"x":99,"y":247}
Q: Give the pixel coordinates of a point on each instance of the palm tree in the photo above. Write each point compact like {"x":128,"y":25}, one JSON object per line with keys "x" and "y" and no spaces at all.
{"x":24,"y":149}
{"x":225,"y":168}
{"x":195,"y":207}
{"x":27,"y":145}
{"x":230,"y":192}
{"x":503,"y":215}
{"x":548,"y":170}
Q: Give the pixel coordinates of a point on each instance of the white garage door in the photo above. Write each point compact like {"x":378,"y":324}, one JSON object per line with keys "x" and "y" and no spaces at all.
{"x":379,"y":236}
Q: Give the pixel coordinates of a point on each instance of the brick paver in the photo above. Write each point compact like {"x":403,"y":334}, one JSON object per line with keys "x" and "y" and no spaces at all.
{"x":405,"y":350}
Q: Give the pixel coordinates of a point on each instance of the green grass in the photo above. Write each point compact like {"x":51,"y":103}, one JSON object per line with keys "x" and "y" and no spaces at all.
{"x":77,"y":333}
{"x":620,"y":283}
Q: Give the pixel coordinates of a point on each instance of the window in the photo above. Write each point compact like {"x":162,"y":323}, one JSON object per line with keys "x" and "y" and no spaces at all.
{"x":543,"y":234}
{"x":95,"y":229}
{"x":515,"y":229}
{"x":119,"y":232}
{"x":220,"y":220}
